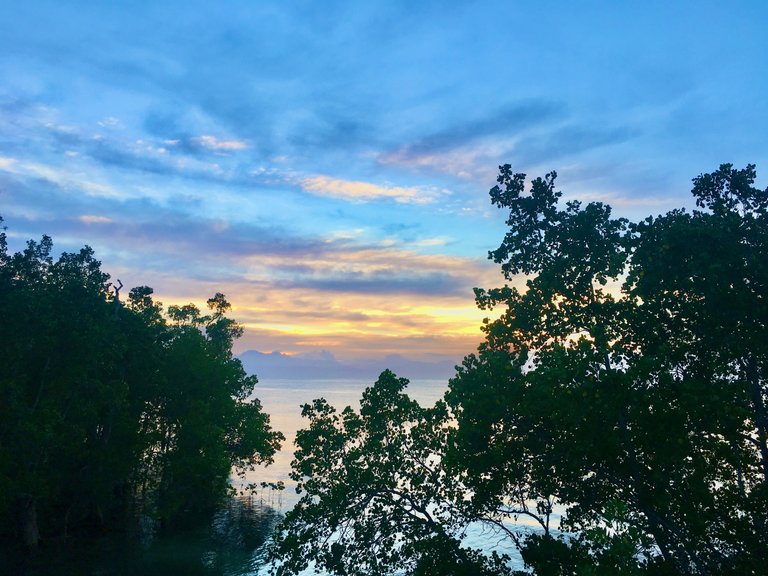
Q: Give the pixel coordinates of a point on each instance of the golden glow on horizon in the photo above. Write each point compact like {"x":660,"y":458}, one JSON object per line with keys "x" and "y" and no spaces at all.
{"x":351,"y":325}
{"x":350,"y":318}
{"x":449,"y":327}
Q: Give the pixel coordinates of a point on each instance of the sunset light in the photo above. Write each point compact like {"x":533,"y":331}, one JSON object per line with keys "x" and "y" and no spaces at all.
{"x":383,"y":287}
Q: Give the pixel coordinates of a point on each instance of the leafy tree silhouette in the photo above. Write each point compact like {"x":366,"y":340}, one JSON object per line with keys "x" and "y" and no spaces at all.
{"x":623,"y":388}
{"x":104,"y":410}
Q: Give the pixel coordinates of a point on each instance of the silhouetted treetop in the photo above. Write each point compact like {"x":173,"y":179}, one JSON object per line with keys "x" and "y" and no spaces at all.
{"x":617,"y":404}
{"x":103,"y":411}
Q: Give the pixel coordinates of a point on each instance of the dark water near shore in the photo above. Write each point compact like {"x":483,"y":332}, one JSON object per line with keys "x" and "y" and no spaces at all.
{"x":230,"y":542}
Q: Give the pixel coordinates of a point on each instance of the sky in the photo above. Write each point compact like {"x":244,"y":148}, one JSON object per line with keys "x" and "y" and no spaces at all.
{"x":326,"y":165}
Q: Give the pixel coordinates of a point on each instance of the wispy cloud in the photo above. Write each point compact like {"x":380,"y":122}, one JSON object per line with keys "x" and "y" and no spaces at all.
{"x":301,"y":319}
{"x":471,"y":148}
{"x":476,"y":163}
{"x":569,"y":140}
{"x":507,"y":122}
{"x":111,"y":122}
{"x":62,"y":177}
{"x":160,"y":237}
{"x":206,"y":142}
{"x":213,"y":143}
{"x":314,"y":161}
{"x":298,"y":293}
{"x":357,"y":191}
{"x":430,"y":242}
{"x":92,"y":219}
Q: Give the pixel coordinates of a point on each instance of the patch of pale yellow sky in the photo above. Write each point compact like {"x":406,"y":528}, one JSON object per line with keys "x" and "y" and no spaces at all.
{"x":352,"y":325}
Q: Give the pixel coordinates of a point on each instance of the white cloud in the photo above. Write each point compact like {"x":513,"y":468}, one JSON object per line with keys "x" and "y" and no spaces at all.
{"x":470,"y":163}
{"x":6,"y":163}
{"x":427,"y":242}
{"x":349,"y":234}
{"x":213,"y":143}
{"x":91,"y":219}
{"x":96,"y":189}
{"x":110,"y":122}
{"x":358,"y":191}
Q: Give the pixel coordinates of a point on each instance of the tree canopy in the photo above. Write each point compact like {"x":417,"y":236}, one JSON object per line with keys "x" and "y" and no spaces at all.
{"x":109,"y":404}
{"x":617,"y":405}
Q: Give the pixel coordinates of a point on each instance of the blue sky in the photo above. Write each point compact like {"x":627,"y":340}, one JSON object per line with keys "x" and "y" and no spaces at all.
{"x":326,"y":164}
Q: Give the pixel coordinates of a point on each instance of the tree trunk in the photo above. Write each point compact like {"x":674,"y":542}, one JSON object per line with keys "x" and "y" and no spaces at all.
{"x":761,"y":416}
{"x":30,"y":534}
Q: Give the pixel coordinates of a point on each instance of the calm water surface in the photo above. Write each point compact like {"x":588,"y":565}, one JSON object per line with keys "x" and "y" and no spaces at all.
{"x":282,"y":400}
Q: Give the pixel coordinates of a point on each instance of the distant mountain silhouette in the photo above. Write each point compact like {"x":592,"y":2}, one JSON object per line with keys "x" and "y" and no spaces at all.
{"x":324,"y":365}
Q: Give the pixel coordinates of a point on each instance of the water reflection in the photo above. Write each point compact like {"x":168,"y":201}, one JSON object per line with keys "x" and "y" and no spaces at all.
{"x":227,"y":543}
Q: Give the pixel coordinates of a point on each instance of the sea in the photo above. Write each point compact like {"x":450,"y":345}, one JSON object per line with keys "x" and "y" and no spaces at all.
{"x":283,"y":399}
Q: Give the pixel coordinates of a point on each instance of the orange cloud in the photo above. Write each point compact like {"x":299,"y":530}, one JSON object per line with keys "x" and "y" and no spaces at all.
{"x":354,"y":300}
{"x":351,"y":324}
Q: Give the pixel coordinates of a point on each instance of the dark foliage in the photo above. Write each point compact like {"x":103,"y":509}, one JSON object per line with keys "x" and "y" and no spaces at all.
{"x":617,"y":404}
{"x":107,"y":405}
